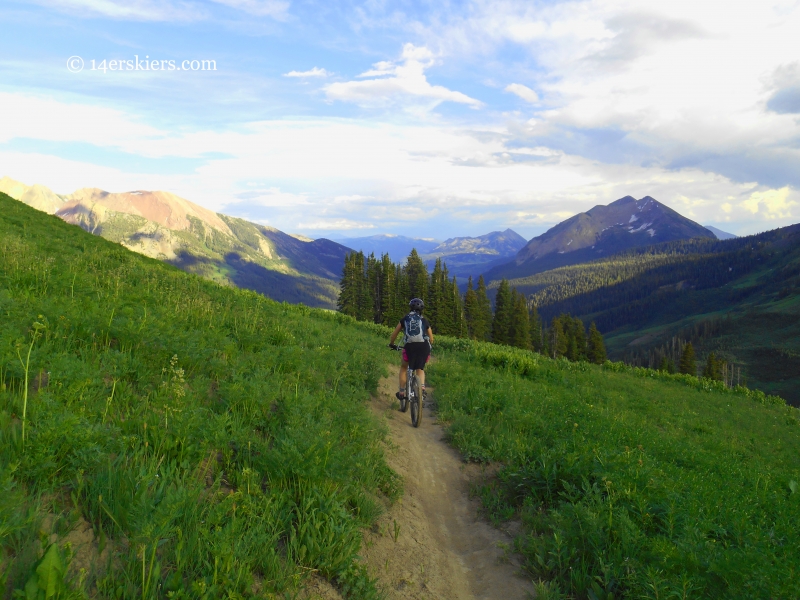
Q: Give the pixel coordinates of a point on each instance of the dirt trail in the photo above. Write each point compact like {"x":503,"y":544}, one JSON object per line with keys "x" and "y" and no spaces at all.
{"x":432,"y":543}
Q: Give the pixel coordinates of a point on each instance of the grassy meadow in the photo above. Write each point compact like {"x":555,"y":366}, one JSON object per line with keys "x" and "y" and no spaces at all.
{"x":629,"y":483}
{"x":165,"y":437}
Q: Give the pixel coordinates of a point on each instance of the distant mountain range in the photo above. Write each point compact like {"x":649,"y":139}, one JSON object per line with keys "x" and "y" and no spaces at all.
{"x":721,"y":235}
{"x":398,"y":247}
{"x":229,"y":250}
{"x":602,"y":231}
{"x":469,"y":256}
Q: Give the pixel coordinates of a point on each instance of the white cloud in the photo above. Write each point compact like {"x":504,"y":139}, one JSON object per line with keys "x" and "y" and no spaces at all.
{"x":388,"y":82}
{"x":137,"y":10}
{"x":340,"y":174}
{"x":315,"y":72}
{"x":276,"y":9}
{"x":523,"y":92}
{"x":335,"y":225}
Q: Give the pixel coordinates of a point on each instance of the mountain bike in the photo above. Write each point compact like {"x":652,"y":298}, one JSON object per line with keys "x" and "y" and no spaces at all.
{"x":413,"y":397}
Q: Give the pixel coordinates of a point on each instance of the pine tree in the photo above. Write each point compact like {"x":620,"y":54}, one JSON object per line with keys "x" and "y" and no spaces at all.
{"x":664,"y":366}
{"x":503,"y":309}
{"x":520,"y":326}
{"x":348,"y":302}
{"x":596,"y":348}
{"x":579,"y":335}
{"x":374,"y":284}
{"x":470,"y":308}
{"x":482,"y":318}
{"x":364,"y":294}
{"x":433,"y":299}
{"x":447,"y":307}
{"x":713,"y":368}
{"x":572,"y":348}
{"x":536,"y":330}
{"x":388,"y":288}
{"x":417,"y":276}
{"x":688,"y":365}
{"x":557,"y":339}
{"x":459,"y":321}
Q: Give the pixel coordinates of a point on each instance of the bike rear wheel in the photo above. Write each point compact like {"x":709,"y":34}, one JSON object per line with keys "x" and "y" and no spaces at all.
{"x":416,"y":402}
{"x":404,"y":400}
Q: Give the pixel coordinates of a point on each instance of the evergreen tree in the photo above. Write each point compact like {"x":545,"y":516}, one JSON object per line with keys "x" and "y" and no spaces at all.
{"x":537,"y":343}
{"x":664,"y":366}
{"x":482,"y":317}
{"x":459,"y":322}
{"x":713,"y":368}
{"x":470,"y":308}
{"x":433,"y":299}
{"x":503,"y":310}
{"x":578,"y":333}
{"x":572,"y":348}
{"x":366,"y":305}
{"x":520,"y":326}
{"x":557,"y":339}
{"x":688,"y":365}
{"x":417,"y":275}
{"x":447,"y":307}
{"x":388,"y":289}
{"x":375,"y":284}
{"x":596,"y":348}
{"x":402,"y":295}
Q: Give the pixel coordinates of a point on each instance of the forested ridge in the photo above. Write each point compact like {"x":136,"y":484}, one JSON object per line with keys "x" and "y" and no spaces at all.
{"x":736,"y":298}
{"x":640,"y":272}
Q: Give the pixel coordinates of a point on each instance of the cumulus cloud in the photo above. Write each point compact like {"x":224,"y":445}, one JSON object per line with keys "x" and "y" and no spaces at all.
{"x":315,"y":72}
{"x":445,"y":180}
{"x":523,"y":92}
{"x":389,"y":82}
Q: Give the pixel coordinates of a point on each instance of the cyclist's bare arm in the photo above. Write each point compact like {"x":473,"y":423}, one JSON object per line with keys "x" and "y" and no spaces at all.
{"x":430,"y":335}
{"x":396,"y":332}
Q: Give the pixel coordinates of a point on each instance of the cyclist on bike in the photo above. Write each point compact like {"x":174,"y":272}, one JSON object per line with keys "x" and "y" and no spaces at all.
{"x":417,"y":349}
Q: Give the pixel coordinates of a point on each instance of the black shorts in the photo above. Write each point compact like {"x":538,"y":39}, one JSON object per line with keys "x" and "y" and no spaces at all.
{"x":417,"y":354}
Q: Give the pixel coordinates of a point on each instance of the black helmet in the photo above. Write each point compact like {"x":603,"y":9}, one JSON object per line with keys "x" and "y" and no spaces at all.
{"x":416,"y":304}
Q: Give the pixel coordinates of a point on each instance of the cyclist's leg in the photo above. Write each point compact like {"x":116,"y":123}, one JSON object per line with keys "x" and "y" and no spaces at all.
{"x":403,"y":376}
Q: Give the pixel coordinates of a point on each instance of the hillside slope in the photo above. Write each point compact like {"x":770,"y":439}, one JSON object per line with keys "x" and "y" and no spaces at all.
{"x":602,"y":231}
{"x":229,"y":250}
{"x":739,"y":298}
{"x":628,"y":483}
{"x":172,"y":437}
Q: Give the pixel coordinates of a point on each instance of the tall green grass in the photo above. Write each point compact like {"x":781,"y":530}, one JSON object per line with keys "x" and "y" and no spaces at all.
{"x":629,"y":483}
{"x":217,"y":442}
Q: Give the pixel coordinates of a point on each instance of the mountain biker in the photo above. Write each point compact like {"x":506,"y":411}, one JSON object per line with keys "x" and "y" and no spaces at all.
{"x":417,"y":349}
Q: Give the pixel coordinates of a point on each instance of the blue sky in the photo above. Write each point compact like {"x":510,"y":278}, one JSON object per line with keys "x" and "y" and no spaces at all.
{"x":429,"y":119}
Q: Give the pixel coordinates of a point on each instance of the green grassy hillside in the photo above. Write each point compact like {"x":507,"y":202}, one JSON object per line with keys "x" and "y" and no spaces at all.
{"x":167,"y":437}
{"x":629,"y":483}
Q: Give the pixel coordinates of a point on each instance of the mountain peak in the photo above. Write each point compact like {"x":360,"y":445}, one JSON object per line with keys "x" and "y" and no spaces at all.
{"x":601,"y":231}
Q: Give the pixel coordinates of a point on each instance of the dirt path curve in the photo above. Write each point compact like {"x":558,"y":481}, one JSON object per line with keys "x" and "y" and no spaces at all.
{"x":432,"y":543}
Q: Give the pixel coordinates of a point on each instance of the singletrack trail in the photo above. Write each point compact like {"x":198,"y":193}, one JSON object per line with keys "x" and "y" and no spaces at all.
{"x":432,"y":543}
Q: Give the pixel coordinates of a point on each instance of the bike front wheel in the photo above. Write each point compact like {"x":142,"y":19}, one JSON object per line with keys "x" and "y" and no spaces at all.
{"x":416,"y":403}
